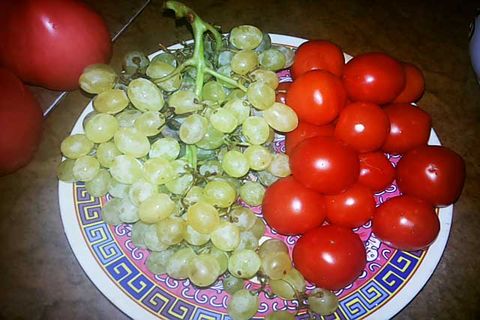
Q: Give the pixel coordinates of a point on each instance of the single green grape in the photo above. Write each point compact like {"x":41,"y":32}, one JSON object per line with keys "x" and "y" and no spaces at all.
{"x":111,"y":101}
{"x":97,"y":78}
{"x":204,"y":270}
{"x":156,"y":207}
{"x":76,"y":146}
{"x":243,"y":305}
{"x":322,"y":301}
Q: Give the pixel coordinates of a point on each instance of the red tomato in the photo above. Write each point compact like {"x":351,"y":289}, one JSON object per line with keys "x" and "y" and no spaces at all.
{"x":304,"y":131}
{"x":324,"y":164}
{"x":363,"y":126}
{"x":373,"y":77}
{"x":376,"y":171}
{"x":317,"y":97}
{"x":352,"y":208}
{"x":409,"y":128}
{"x":433,"y":173}
{"x":49,"y":42}
{"x":414,"y":84}
{"x":290,"y":208}
{"x":330,"y":256}
{"x":406,"y":223}
{"x":281,"y":92}
{"x":318,"y":55}
{"x":20,"y":123}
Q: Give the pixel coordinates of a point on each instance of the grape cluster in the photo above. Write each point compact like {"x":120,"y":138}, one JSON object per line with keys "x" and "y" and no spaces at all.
{"x":180,"y":142}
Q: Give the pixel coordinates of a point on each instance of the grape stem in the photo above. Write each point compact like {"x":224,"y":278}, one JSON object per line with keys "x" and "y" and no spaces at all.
{"x":199,"y":27}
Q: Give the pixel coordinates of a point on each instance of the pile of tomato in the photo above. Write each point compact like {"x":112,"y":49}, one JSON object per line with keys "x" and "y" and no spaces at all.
{"x":351,"y":116}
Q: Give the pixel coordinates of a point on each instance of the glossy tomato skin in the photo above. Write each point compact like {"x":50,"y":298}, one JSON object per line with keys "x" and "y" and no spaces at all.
{"x":49,"y":42}
{"x":318,"y":55}
{"x":290,"y":208}
{"x":281,"y":92}
{"x":373,"y":77}
{"x":324,"y":164}
{"x":414,"y":84}
{"x":409,"y":128}
{"x":317,"y":97}
{"x":305,"y":130}
{"x":406,"y":223}
{"x":330,"y":256}
{"x":376,"y":171}
{"x":433,"y":173}
{"x":363,"y":126}
{"x":21,"y":122}
{"x":351,"y":208}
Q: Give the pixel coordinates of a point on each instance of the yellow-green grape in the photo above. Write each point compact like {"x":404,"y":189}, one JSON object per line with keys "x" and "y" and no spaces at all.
{"x":110,"y":212}
{"x":258,"y":157}
{"x":193,"y":129}
{"x":65,"y":170}
{"x":97,"y":78}
{"x":279,"y":166}
{"x":244,"y":263}
{"x":140,"y":190}
{"x":76,"y":146}
{"x":138,"y":232}
{"x":222,"y":258}
{"x":268,"y":77}
{"x":245,"y":37}
{"x":247,"y":241}
{"x":235,"y":164}
{"x":126,"y":169}
{"x":99,"y":185}
{"x":155,"y":208}
{"x":323,"y":302}
{"x":194,"y":195}
{"x":85,"y":168}
{"x":258,"y":228}
{"x":236,"y":94}
{"x":184,"y":101}
{"x":226,"y":71}
{"x":132,"y":142}
{"x":272,"y":59}
{"x":287,"y":52}
{"x":244,"y":61}
{"x":290,"y":286}
{"x":256,"y":130}
{"x":106,"y":152}
{"x":224,"y":120}
{"x":159,"y":170}
{"x":152,"y":240}
{"x":167,"y":58}
{"x":194,"y":237}
{"x":212,"y":139}
{"x":276,"y":265}
{"x":150,"y":123}
{"x":213,"y":91}
{"x":232,"y":284}
{"x":281,"y":117}
{"x":204,"y":270}
{"x":178,"y":266}
{"x":226,"y":236}
{"x":243,"y":305}
{"x":167,"y":148}
{"x":126,"y":118}
{"x":118,"y":189}
{"x":242,"y":217}
{"x":111,"y":101}
{"x":101,"y":127}
{"x":157,"y":261}
{"x":261,"y":95}
{"x":159,"y":69}
{"x":280,"y":315}
{"x":180,"y":185}
{"x":134,"y":62}
{"x":239,"y":107}
{"x":252,"y":193}
{"x":203,"y":217}
{"x":270,"y":246}
{"x":219,"y":193}
{"x":266,"y":178}
{"x":171,"y":230}
{"x":145,"y":95}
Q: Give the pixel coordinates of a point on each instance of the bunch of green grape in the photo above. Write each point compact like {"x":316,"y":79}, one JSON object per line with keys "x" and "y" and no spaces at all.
{"x":177,"y":141}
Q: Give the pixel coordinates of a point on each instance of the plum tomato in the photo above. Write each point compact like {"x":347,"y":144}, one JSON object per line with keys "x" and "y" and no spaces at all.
{"x":290,"y":208}
{"x":373,"y":77}
{"x":318,"y":55}
{"x":351,"y":208}
{"x":317,"y":97}
{"x":304,"y":131}
{"x":414,"y":84}
{"x":433,"y":173}
{"x":376,"y":171}
{"x":281,"y":92}
{"x":406,"y":223}
{"x":363,"y":126}
{"x":409,"y":128}
{"x":324,"y":164}
{"x":330,"y":256}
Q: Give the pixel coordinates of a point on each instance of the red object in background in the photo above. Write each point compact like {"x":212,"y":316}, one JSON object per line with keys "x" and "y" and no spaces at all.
{"x":330,"y":256}
{"x":406,"y":223}
{"x":433,"y":173}
{"x":376,"y":171}
{"x":414,"y":84}
{"x":305,"y":130}
{"x":21,"y":121}
{"x":318,"y":55}
{"x":49,"y":42}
